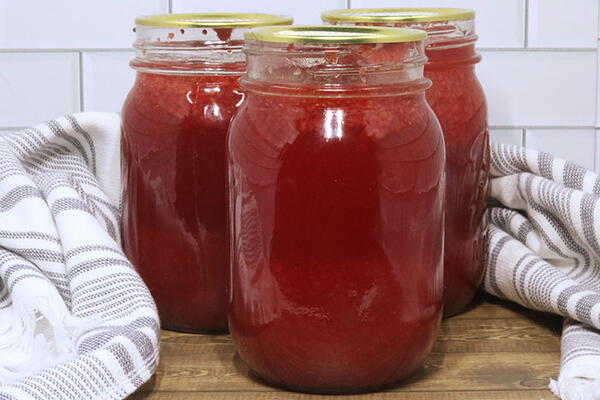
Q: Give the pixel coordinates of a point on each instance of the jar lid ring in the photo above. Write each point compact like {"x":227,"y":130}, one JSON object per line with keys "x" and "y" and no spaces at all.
{"x":400,"y":15}
{"x":334,"y":34}
{"x":213,"y":20}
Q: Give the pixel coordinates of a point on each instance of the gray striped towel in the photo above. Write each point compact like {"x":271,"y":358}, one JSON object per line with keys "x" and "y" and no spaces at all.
{"x":544,"y":253}
{"x":76,"y":320}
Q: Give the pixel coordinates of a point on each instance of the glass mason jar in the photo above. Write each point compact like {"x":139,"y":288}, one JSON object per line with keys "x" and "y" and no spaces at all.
{"x":336,"y":202}
{"x":457,"y":99}
{"x":174,"y":127}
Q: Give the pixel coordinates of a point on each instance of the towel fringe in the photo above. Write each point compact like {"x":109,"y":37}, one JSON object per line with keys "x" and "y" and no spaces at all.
{"x":37,"y":335}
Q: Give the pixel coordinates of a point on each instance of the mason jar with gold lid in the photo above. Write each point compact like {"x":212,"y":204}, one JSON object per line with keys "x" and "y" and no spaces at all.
{"x":336,"y":199}
{"x":175,"y":120}
{"x":457,"y":98}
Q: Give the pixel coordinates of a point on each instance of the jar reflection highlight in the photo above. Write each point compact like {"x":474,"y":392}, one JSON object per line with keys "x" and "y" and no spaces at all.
{"x":457,"y":98}
{"x":337,"y":220}
{"x":174,"y":128}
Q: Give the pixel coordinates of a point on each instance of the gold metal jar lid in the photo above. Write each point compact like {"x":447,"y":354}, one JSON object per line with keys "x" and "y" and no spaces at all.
{"x":334,"y":34}
{"x":213,"y":20}
{"x":391,"y":15}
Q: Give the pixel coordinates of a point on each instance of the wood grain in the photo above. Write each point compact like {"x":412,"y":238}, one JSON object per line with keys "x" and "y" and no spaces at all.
{"x":448,"y":395}
{"x":495,"y":351}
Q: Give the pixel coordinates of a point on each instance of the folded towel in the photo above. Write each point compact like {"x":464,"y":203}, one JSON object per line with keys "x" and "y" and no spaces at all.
{"x":544,"y":253}
{"x":76,"y":320}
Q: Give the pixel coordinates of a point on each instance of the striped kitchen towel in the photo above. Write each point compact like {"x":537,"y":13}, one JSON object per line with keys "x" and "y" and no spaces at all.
{"x":544,"y":253}
{"x":76,"y":320}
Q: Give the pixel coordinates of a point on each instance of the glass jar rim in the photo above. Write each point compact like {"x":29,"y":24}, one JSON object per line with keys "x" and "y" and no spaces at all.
{"x":391,"y":15}
{"x":213,"y":20}
{"x":334,"y":34}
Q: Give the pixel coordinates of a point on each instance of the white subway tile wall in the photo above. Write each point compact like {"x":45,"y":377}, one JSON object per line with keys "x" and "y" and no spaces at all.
{"x":560,"y":23}
{"x":539,"y":68}
{"x":303,"y":11}
{"x":500,"y":23}
{"x":570,"y":144}
{"x":72,"y":23}
{"x":512,"y":136}
{"x":107,"y":79}
{"x":37,"y":86}
{"x":539,"y":88}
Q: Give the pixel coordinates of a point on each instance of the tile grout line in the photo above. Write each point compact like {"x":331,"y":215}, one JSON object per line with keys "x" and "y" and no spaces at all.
{"x":597,"y":110}
{"x":523,"y":137}
{"x":170,"y":6}
{"x":540,"y":49}
{"x":526,"y":26}
{"x":348,"y":4}
{"x":549,"y":127}
{"x":80,"y":58}
{"x":65,"y":50}
{"x":129,"y":49}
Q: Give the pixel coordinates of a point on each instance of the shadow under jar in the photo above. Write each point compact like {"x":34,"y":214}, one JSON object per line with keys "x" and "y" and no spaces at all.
{"x":336,"y":202}
{"x":457,"y":98}
{"x":175,"y":121}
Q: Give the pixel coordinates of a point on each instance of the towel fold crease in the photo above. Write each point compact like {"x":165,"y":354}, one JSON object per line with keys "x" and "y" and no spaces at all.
{"x":544,"y":253}
{"x":76,"y":320}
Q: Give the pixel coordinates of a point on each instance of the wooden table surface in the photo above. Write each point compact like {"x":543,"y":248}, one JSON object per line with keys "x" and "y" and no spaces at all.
{"x":495,"y":351}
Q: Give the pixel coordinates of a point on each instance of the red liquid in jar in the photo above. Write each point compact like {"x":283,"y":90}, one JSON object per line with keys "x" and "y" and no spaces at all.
{"x":458,"y":101}
{"x":337,"y":260}
{"x":175,"y":218}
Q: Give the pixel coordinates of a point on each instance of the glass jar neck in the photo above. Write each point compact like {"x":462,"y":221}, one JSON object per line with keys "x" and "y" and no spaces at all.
{"x":443,"y":37}
{"x":447,"y":56}
{"x":449,"y":43}
{"x":335,"y":69}
{"x":189,"y":51}
{"x":442,"y":34}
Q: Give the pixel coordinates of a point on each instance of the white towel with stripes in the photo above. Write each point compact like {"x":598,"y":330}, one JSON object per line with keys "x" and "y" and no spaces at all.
{"x":544,"y":253}
{"x":76,"y":320}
